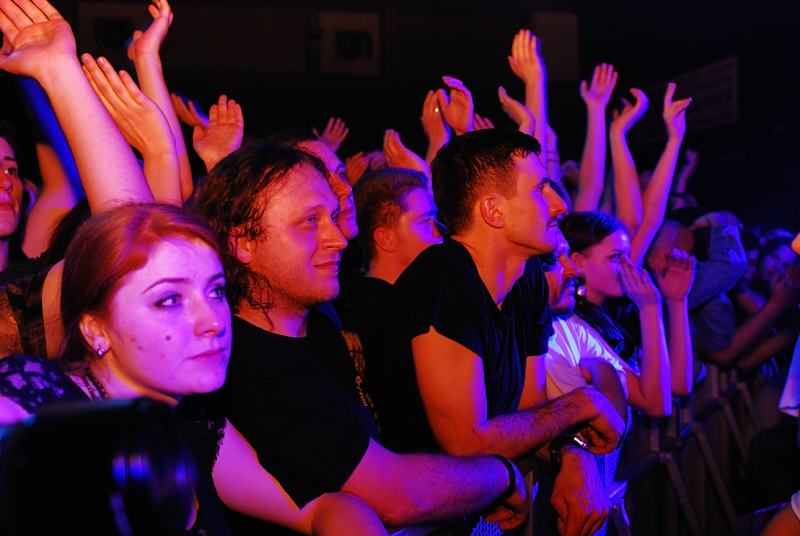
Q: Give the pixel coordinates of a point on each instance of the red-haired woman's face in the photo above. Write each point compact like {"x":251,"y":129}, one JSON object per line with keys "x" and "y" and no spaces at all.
{"x":168,"y":330}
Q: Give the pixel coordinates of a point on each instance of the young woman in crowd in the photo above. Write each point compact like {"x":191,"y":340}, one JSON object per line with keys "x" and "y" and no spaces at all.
{"x":144,"y":313}
{"x":600,"y":248}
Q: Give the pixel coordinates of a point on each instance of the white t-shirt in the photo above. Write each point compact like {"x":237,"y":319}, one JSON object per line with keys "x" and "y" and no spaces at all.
{"x":572,"y":340}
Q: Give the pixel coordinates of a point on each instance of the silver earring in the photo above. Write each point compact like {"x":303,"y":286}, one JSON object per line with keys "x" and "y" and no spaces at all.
{"x":100,"y":351}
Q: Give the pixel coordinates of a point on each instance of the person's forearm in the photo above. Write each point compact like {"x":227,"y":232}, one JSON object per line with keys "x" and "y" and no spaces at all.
{"x":109,"y":172}
{"x":680,"y":347}
{"x":153,"y":84}
{"x":433,"y":149}
{"x":553,"y":163}
{"x":518,"y":434}
{"x":62,"y":173}
{"x":410,"y":489}
{"x":626,"y":182}
{"x":654,"y":381}
{"x":536,"y":102}
{"x":162,"y":173}
{"x":604,"y":378}
{"x":656,"y":195}
{"x":748,"y":333}
{"x":768,"y":349}
{"x":593,"y":161}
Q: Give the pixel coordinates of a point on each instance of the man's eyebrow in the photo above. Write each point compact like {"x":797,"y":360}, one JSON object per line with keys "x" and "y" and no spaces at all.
{"x":10,"y":159}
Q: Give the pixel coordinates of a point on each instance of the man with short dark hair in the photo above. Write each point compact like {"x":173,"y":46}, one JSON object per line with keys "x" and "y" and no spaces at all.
{"x":397,"y":219}
{"x":462,"y":366}
{"x":292,"y":389}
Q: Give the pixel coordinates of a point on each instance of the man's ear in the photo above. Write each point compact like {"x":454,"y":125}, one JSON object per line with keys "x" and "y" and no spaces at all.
{"x":385,"y":239}
{"x":94,"y":333}
{"x":241,"y":247}
{"x":577,"y":259}
{"x":492,"y":211}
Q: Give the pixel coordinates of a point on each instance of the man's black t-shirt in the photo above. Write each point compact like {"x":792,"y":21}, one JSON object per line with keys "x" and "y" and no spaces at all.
{"x":442,"y":288}
{"x":362,"y":310}
{"x":297,"y":401}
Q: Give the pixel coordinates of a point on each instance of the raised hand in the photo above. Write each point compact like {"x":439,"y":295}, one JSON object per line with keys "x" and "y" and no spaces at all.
{"x":139,"y":119}
{"x":456,"y":107}
{"x":599,"y":92}
{"x":631,"y":113}
{"x":432,"y":121}
{"x":224,"y":132}
{"x":398,"y":156}
{"x":676,"y":280}
{"x":142,"y":123}
{"x":482,"y":123}
{"x":518,"y":112}
{"x":334,"y":134}
{"x":785,"y":287}
{"x":355,"y":167}
{"x":675,"y":114}
{"x":148,"y":42}
{"x":34,"y":37}
{"x":637,"y":285}
{"x":526,"y":59}
{"x":189,"y":111}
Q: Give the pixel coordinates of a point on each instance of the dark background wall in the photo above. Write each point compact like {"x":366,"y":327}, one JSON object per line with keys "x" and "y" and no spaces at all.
{"x":267,"y":55}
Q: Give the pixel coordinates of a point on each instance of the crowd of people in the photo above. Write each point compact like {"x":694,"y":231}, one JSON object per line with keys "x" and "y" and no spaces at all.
{"x":378,"y":345}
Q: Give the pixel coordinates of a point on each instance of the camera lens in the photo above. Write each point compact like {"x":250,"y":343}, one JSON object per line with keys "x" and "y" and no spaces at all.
{"x":112,"y":467}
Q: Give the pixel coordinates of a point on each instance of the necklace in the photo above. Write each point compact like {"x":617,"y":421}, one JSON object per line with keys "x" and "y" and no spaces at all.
{"x":93,"y":385}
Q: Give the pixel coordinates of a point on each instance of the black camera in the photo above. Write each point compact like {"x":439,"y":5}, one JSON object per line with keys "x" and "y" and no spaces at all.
{"x":120,"y":467}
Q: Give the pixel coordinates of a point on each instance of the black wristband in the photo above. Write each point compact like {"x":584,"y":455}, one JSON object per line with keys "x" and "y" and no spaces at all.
{"x":562,"y":440}
{"x":512,"y":477}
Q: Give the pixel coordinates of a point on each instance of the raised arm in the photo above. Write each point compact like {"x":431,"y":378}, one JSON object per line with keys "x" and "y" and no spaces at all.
{"x":675,"y":284}
{"x":61,"y":185}
{"x":143,"y":125}
{"x":38,"y":43}
{"x":656,"y":196}
{"x":144,"y":52}
{"x":626,"y":179}
{"x":526,"y":62}
{"x":593,"y":163}
{"x":682,"y":178}
{"x":652,"y":392}
{"x":434,"y":125}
